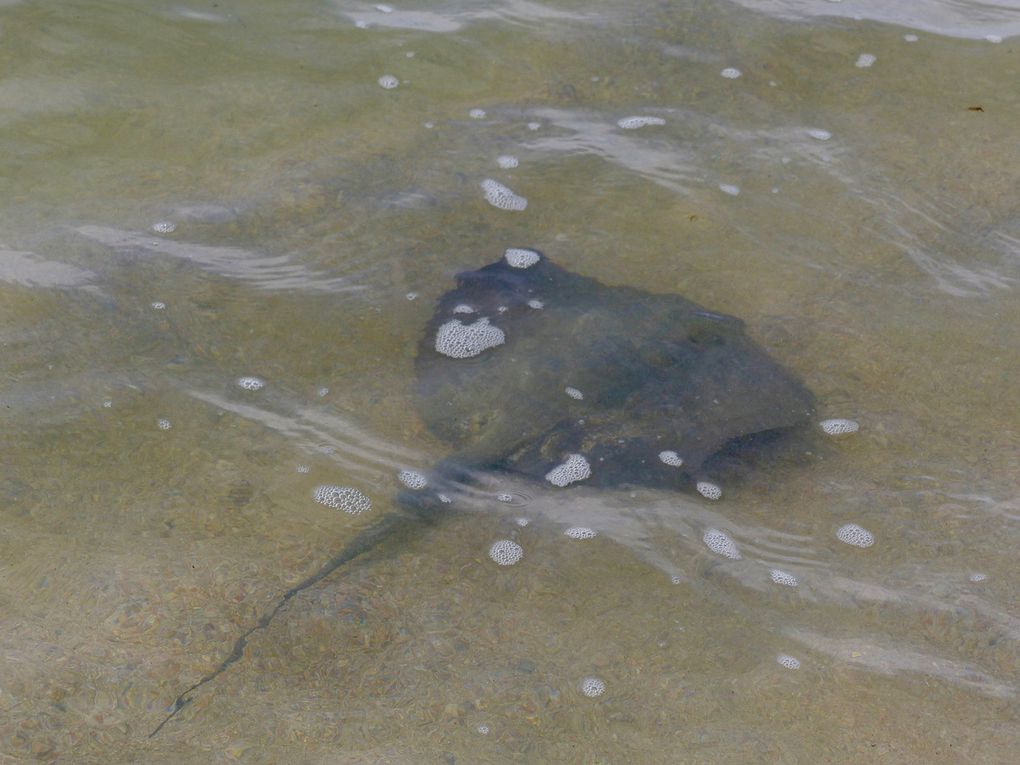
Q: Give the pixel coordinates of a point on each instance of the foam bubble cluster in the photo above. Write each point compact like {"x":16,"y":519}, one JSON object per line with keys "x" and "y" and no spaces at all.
{"x":576,"y":468}
{"x":158,"y":305}
{"x":463,"y":308}
{"x":518,"y":257}
{"x":505,"y":552}
{"x":977,"y":577}
{"x":108,"y":404}
{"x":163,"y":424}
{"x":462,"y":341}
{"x":720,"y":543}
{"x":251,"y":383}
{"x":444,"y":499}
{"x":322,"y":392}
{"x":819,"y":135}
{"x":534,"y":125}
{"x":633,"y":123}
{"x":580,"y":532}
{"x":344,"y":498}
{"x":477,"y":114}
{"x":536,"y":304}
{"x":730,"y":73}
{"x":784,"y":578}
{"x":505,"y":497}
{"x":388,"y":81}
{"x":708,"y":490}
{"x":785,"y":660}
{"x":839,"y":426}
{"x":855,"y":535}
{"x":507,"y":161}
{"x":164,"y":227}
{"x":729,"y":188}
{"x":498,"y":195}
{"x":910,"y":38}
{"x":483,"y":730}
{"x":522,"y":522}
{"x":592,"y":687}
{"x":574,"y":393}
{"x":412,"y":479}
{"x":671,"y":458}
{"x":303,"y":469}
{"x":865,"y":60}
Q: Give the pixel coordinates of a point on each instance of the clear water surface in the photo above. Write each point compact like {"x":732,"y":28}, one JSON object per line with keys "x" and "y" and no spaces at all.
{"x":196,"y":192}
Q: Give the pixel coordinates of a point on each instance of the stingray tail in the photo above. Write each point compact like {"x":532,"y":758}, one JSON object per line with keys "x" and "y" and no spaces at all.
{"x":412,"y":512}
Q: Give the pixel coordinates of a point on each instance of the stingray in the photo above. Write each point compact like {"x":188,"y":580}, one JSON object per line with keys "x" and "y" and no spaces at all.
{"x":528,"y":368}
{"x":531,"y":371}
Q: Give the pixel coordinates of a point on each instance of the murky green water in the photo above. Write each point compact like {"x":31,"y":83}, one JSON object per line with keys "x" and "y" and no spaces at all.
{"x":873,"y":248}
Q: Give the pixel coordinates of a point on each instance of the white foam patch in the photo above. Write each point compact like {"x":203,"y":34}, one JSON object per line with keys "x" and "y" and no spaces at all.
{"x":505,"y":497}
{"x":731,"y":73}
{"x":506,"y":553}
{"x":910,"y":38}
{"x":518,"y":257}
{"x":384,"y":8}
{"x":592,"y":687}
{"x":977,"y":577}
{"x":784,"y":578}
{"x":251,"y":383}
{"x":498,"y":195}
{"x":163,"y":424}
{"x":839,"y":426}
{"x":108,"y":404}
{"x":994,"y":38}
{"x":507,"y":162}
{"x":865,"y":60}
{"x":534,"y":125}
{"x":344,"y":498}
{"x":720,"y":543}
{"x":164,"y":227}
{"x":303,"y":469}
{"x":580,"y":532}
{"x":785,"y":660}
{"x":158,"y":305}
{"x":388,"y":81}
{"x":536,"y":304}
{"x":477,"y":114}
{"x":855,"y":535}
{"x":322,"y":392}
{"x":708,"y":490}
{"x":522,"y":522}
{"x":412,"y":479}
{"x":575,"y":468}
{"x":819,"y":135}
{"x":671,"y":458}
{"x":462,"y":341}
{"x":444,"y":499}
{"x":463,"y":308}
{"x":574,"y":393}
{"x":633,"y":123}
{"x":729,"y":188}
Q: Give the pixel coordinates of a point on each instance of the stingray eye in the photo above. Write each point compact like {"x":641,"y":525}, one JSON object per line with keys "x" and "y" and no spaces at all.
{"x":703,"y":335}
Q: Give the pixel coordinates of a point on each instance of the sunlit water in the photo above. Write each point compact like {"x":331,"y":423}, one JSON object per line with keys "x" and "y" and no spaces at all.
{"x":223,"y":228}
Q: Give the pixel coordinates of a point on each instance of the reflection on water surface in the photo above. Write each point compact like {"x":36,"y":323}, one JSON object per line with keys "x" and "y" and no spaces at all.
{"x":202,"y":193}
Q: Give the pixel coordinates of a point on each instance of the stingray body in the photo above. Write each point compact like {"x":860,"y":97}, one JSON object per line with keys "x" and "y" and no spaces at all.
{"x":525,"y":365}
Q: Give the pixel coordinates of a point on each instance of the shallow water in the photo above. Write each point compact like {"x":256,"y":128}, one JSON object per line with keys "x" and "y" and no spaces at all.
{"x":860,"y":214}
